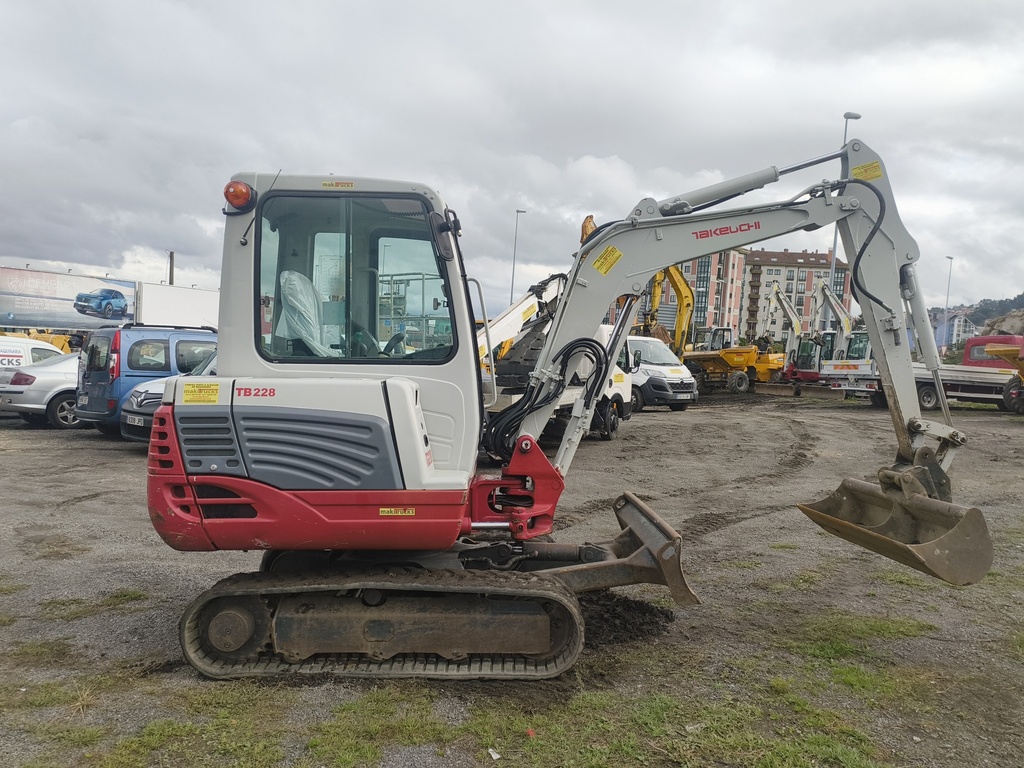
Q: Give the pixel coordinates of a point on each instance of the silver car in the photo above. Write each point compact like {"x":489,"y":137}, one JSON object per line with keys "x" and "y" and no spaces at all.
{"x":137,"y":412}
{"x":42,"y":393}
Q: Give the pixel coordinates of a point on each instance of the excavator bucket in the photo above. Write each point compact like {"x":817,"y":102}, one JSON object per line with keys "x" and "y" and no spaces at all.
{"x":944,"y":540}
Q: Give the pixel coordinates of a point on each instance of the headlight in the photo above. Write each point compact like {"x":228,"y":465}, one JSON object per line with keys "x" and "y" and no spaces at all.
{"x":655,"y":372}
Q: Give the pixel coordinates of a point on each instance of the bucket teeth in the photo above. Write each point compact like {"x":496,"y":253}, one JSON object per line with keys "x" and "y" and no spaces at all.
{"x":944,"y":540}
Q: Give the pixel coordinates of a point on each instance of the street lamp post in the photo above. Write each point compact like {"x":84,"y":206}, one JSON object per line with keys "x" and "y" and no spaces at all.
{"x":948,"y":335}
{"x":170,"y":267}
{"x":826,"y":320}
{"x":515,"y":239}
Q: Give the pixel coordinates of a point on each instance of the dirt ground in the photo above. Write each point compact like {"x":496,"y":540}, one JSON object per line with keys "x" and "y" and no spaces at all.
{"x":935,"y":678}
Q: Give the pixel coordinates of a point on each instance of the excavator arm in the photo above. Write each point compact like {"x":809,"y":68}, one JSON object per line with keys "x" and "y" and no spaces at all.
{"x":912,"y":503}
{"x":778,"y":299}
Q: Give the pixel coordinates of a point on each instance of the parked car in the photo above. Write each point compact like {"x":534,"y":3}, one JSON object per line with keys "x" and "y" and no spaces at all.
{"x":137,"y":412}
{"x":18,"y":351}
{"x":42,"y":393}
{"x":661,"y":378}
{"x":105,"y":302}
{"x":116,"y":360}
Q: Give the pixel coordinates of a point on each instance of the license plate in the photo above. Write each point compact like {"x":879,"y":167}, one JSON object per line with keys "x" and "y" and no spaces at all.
{"x":83,"y":399}
{"x":135,"y":421}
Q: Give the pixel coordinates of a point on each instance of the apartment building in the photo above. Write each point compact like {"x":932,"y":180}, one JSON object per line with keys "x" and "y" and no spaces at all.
{"x":797,"y":273}
{"x":717,"y":284}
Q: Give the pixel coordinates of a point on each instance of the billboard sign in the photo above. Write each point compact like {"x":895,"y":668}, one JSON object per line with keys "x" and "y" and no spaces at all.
{"x":33,"y":299}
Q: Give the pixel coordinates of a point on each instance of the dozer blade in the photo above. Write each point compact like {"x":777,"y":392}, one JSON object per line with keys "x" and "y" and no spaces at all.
{"x":944,"y":540}
{"x":646,"y":551}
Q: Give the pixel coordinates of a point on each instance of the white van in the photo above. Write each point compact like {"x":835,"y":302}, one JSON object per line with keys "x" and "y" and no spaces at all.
{"x":17,"y":351}
{"x":660,"y":379}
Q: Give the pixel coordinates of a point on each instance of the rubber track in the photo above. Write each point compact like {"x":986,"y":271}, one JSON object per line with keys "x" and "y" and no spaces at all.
{"x":491,"y":666}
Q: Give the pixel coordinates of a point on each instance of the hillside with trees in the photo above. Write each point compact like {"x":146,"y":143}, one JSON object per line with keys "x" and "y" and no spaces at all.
{"x":991,"y":308}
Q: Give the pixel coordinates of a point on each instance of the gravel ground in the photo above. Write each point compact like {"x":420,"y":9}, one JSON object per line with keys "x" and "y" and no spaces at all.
{"x":726,"y":474}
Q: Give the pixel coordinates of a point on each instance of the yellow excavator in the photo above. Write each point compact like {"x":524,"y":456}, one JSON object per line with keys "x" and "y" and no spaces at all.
{"x":714,"y":359}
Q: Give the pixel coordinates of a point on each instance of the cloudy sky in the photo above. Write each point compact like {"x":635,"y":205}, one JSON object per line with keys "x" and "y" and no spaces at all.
{"x":120,"y":122}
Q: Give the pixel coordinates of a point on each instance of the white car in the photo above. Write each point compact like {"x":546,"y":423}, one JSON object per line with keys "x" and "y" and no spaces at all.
{"x":42,"y":393}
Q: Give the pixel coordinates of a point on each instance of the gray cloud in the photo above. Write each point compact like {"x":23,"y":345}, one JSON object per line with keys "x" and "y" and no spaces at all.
{"x":125,"y":120}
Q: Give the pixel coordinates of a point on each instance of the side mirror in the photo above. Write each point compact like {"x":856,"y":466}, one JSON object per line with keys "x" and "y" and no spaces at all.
{"x":636,"y":361}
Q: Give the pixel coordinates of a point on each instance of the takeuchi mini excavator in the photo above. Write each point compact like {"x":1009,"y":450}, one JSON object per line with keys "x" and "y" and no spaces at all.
{"x":351,"y":459}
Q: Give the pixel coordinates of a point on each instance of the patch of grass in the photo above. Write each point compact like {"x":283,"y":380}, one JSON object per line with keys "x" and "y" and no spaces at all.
{"x":1017,"y":646}
{"x":41,"y":696}
{"x":77,"y":695}
{"x":1009,"y":579}
{"x":9,"y":588}
{"x":70,"y":736}
{"x":6,"y":620}
{"x":359,"y":730}
{"x":805,"y":581}
{"x":69,"y":609}
{"x":865,"y":681}
{"x":837,"y":635}
{"x":591,"y":728}
{"x":229,"y":724}
{"x":60,"y":548}
{"x":784,"y":545}
{"x":906,"y":579}
{"x":43,"y":652}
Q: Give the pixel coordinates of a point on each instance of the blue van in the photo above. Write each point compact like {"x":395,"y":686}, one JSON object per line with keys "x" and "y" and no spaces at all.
{"x":114,"y":360}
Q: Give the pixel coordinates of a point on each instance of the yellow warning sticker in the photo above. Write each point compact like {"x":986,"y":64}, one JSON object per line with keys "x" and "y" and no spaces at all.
{"x":529,"y":312}
{"x":618,"y":378}
{"x":397,"y":511}
{"x":200,"y":393}
{"x":868,"y":171}
{"x":607,"y":260}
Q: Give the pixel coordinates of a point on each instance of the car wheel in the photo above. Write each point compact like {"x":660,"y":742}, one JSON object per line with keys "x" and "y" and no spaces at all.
{"x":636,"y":400}
{"x":928,"y":397}
{"x":60,"y":411}
{"x":108,"y":311}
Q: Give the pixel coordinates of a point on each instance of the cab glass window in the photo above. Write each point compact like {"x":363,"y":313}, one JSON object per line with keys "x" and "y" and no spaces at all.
{"x":350,"y":279}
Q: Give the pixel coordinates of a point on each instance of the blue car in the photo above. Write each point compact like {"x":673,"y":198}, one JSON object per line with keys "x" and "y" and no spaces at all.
{"x":115,"y":360}
{"x":105,"y":302}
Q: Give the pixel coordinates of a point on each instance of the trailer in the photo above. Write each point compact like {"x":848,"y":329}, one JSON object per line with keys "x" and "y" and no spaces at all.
{"x":979,"y":378}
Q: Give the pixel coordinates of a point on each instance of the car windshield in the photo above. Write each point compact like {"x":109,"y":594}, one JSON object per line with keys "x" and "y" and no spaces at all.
{"x":206,"y":368}
{"x":653,"y":351}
